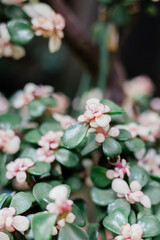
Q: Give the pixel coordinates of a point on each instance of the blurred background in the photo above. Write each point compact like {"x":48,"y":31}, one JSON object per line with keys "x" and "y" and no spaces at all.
{"x":139,"y":54}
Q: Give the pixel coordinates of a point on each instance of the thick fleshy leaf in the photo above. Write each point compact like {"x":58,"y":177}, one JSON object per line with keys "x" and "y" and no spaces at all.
{"x":98,"y":177}
{"x":92,"y":231}
{"x":101,"y":212}
{"x":124,"y":135}
{"x":14,"y":11}
{"x":41,"y":194}
{"x":2,"y":197}
{"x":119,"y":203}
{"x":29,"y":153}
{"x":91,"y":145}
{"x":20,"y":31}
{"x":79,"y":220}
{"x":40,"y":168}
{"x":150,"y":225}
{"x":75,"y":183}
{"x":120,"y":186}
{"x":115,"y":220}
{"x":102,"y":197}
{"x":115,"y":109}
{"x":74,"y":135}
{"x":7,"y":202}
{"x":32,"y":136}
{"x":3,"y":160}
{"x":72,"y":231}
{"x":49,"y":101}
{"x":139,"y":174}
{"x":111,"y":147}
{"x":120,"y":15}
{"x":132,"y":217}
{"x":36,"y":108}
{"x":135,"y":145}
{"x":152,"y":190}
{"x":21,"y":202}
{"x":42,"y":226}
{"x":67,"y":158}
{"x":10,"y":120}
{"x":50,"y":126}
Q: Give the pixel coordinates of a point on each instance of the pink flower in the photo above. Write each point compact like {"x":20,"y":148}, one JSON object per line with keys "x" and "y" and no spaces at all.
{"x":30,"y":93}
{"x":4,"y":104}
{"x":49,"y":143}
{"x":11,"y":223}
{"x":62,"y":103}
{"x":155,"y":104}
{"x":133,"y":232}
{"x":9,"y":142}
{"x":95,"y":114}
{"x":18,"y":169}
{"x":138,"y":86}
{"x":65,"y":120}
{"x":132,"y":194}
{"x":120,"y":170}
{"x":103,"y":133}
{"x":61,"y":207}
{"x":7,"y":49}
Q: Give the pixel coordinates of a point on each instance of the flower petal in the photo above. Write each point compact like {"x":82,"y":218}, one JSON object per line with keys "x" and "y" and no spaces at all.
{"x":3,"y":236}
{"x":120,"y":186}
{"x":59,"y":192}
{"x":145,"y":201}
{"x":21,"y":223}
{"x":103,"y":120}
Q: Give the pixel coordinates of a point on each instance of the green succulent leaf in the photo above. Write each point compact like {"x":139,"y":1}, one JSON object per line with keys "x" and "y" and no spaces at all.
{"x":3,"y":161}
{"x":111,"y":147}
{"x":74,"y":135}
{"x":42,"y":225}
{"x":20,"y":31}
{"x":139,"y":174}
{"x":92,"y":231}
{"x":74,"y":183}
{"x":48,"y":101}
{"x":21,"y":202}
{"x":98,"y":177}
{"x":50,"y":126}
{"x":29,"y":153}
{"x":40,"y":168}
{"x":120,"y":15}
{"x":124,"y":135}
{"x":36,"y":108}
{"x":102,"y":197}
{"x":2,"y":197}
{"x":41,"y":192}
{"x":152,"y":190}
{"x":67,"y":158}
{"x":150,"y":225}
{"x":119,"y":203}
{"x":115,"y":109}
{"x":10,"y":120}
{"x":32,"y":136}
{"x":79,"y":220}
{"x":132,"y":218}
{"x":135,"y":145}
{"x":114,"y":221}
{"x":72,"y":231}
{"x":91,"y":145}
{"x":14,"y":11}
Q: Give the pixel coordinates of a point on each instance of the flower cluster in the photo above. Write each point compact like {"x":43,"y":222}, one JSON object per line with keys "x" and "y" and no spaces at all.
{"x":151,"y":162}
{"x":132,"y":194}
{"x":7,"y":49}
{"x":9,"y":142}
{"x":144,"y":132}
{"x":133,"y":232}
{"x":18,"y":169}
{"x":64,"y":120}
{"x":120,"y":170}
{"x":49,"y":143}
{"x":11,"y":223}
{"x":31,"y":92}
{"x":46,"y":23}
{"x":98,"y":119}
{"x":62,"y":207}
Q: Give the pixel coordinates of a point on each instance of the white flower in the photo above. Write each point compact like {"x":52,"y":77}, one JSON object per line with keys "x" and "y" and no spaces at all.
{"x":133,"y":232}
{"x":9,"y":142}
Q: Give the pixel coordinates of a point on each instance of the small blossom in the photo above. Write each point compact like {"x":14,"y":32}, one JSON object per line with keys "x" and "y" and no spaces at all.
{"x":155,"y":104}
{"x":62,"y":207}
{"x":120,"y":170}
{"x":11,"y":223}
{"x":138,"y":86}
{"x":132,"y":194}
{"x":65,"y":120}
{"x":95,"y":114}
{"x":18,"y":169}
{"x":7,"y":49}
{"x":49,"y":143}
{"x":133,"y":232}
{"x":62,"y":103}
{"x":31,"y":92}
{"x":9,"y":142}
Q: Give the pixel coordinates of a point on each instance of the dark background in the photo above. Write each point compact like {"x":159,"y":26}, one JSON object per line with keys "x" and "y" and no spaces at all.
{"x":140,"y":54}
